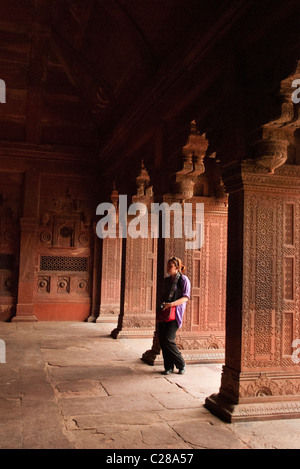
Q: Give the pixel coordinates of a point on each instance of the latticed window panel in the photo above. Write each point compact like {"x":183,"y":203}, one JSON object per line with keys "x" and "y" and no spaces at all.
{"x":63,"y":264}
{"x":6,"y":261}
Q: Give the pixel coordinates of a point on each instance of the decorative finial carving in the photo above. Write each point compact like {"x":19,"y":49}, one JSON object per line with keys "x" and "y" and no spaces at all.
{"x":144,"y":191}
{"x":114,"y":197}
{"x":193,"y":154}
{"x":143,"y":182}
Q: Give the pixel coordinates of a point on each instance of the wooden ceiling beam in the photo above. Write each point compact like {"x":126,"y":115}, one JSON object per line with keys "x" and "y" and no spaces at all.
{"x":117,"y":12}
{"x":94,"y":93}
{"x":40,"y":41}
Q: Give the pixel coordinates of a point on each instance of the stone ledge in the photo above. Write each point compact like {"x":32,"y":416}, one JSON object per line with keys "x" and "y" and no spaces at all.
{"x":190,"y":357}
{"x":230,"y":412}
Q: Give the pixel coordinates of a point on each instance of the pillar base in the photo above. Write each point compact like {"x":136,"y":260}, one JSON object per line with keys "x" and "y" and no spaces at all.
{"x":92,"y":318}
{"x":191,"y":357}
{"x":25,"y":313}
{"x":21,"y":318}
{"x":242,"y":412}
{"x":107,"y":318}
{"x":201,"y":356}
{"x":131,"y":334}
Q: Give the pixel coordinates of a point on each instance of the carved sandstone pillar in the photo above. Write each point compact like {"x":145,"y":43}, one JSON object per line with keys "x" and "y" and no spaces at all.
{"x":138,"y":284}
{"x":111,"y":258}
{"x":137,"y":318}
{"x":260,"y":379}
{"x":202,"y":336}
{"x":29,"y":229}
{"x":110,"y":280}
{"x":95,"y":278}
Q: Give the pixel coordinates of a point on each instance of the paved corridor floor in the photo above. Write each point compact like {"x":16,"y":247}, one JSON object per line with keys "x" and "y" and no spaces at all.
{"x":70,"y":385}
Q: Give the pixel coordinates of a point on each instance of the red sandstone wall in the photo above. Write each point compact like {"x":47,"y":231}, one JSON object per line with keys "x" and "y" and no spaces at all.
{"x":11,"y":188}
{"x":46,"y":238}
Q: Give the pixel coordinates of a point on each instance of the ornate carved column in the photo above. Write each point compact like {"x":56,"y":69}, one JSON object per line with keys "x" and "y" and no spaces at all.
{"x":29,"y":229}
{"x":202,"y":336}
{"x":260,"y":378}
{"x":11,"y":190}
{"x":95,"y":306}
{"x":138,"y":289}
{"x":110,"y":289}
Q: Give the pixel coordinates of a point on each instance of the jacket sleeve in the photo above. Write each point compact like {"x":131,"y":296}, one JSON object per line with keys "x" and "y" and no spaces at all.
{"x":186,"y":287}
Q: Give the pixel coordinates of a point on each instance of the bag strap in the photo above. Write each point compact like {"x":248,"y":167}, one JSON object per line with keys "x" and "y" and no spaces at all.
{"x":174,"y":285}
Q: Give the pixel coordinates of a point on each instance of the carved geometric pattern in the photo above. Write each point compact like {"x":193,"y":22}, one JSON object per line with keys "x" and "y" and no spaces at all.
{"x":45,"y":237}
{"x":264,"y":265}
{"x":262,"y":287}
{"x":111,"y":271}
{"x":8,"y":284}
{"x":82,"y":285}
{"x":44,"y":284}
{"x":262,"y":332}
{"x":63,"y":285}
{"x":289,"y":224}
{"x":83,"y":239}
{"x":65,"y":232}
{"x":271,"y":287}
{"x":214,"y":273}
{"x":64,"y":264}
{"x":287,"y":333}
{"x":196,"y":311}
{"x":289,"y":278}
{"x":6,"y":261}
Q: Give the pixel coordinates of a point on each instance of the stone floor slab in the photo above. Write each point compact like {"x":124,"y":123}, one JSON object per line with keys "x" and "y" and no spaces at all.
{"x":80,"y":388}
{"x":137,"y":384}
{"x":179,"y":400}
{"x":70,"y":385}
{"x":90,"y":422}
{"x":207,"y":436}
{"x":99,"y":405}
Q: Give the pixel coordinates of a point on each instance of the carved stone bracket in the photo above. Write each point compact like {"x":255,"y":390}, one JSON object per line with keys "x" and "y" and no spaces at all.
{"x":272,"y":150}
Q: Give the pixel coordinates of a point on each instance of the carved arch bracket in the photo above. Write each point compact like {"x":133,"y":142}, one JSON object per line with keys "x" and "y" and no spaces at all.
{"x":272,"y":150}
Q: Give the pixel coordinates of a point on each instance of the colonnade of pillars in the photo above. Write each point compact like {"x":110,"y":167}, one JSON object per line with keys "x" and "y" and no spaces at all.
{"x":261,"y":378}
{"x":129,"y":289}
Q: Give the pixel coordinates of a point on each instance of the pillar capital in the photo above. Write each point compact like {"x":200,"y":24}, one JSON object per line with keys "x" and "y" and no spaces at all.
{"x":249,"y":174}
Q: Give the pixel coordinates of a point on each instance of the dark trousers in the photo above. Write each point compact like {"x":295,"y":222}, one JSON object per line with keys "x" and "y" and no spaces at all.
{"x":171,"y":354}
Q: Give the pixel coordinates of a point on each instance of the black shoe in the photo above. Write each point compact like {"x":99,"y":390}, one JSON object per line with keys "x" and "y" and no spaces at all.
{"x":167,"y":372}
{"x":182,"y":371}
